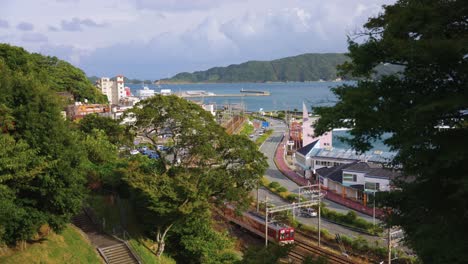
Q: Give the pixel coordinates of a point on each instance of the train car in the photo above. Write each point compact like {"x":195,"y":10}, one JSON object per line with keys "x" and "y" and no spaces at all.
{"x":277,"y":232}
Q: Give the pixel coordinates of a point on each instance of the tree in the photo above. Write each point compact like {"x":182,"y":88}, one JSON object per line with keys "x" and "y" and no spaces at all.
{"x":205,"y":162}
{"x":424,"y":109}
{"x":116,"y":133}
{"x":198,"y":242}
{"x":265,"y":255}
{"x":41,"y":179}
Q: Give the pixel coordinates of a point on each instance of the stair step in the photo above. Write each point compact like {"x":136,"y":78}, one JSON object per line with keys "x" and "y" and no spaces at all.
{"x":124,"y":261}
{"x":114,"y":254}
{"x":121,"y":257}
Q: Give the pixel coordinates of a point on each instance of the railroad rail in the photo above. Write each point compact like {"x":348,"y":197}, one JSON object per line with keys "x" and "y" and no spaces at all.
{"x":303,"y":249}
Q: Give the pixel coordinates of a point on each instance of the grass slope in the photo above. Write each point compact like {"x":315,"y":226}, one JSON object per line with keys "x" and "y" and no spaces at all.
{"x":69,"y":247}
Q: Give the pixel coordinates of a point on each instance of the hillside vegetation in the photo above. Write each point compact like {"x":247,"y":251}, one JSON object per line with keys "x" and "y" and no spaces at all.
{"x":305,"y":67}
{"x":57,"y":75}
{"x":69,"y":247}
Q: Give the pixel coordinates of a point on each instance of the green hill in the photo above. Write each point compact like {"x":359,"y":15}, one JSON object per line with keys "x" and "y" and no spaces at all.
{"x":68,"y":247}
{"x":58,"y":75}
{"x":306,"y":67}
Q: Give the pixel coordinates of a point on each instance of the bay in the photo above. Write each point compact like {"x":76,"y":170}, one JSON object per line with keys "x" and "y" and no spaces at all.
{"x":283,"y":96}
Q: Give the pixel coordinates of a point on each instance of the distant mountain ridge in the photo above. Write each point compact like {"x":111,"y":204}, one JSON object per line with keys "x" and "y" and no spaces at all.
{"x":305,"y":67}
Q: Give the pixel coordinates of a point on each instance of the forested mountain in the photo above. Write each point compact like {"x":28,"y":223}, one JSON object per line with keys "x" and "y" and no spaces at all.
{"x":306,"y":67}
{"x":58,"y":75}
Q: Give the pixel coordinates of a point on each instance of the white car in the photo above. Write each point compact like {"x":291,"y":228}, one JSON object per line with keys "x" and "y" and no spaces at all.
{"x":134,"y":152}
{"x":308,"y":212}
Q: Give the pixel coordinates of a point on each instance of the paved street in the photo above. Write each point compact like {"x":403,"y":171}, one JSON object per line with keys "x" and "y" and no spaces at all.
{"x":273,"y":174}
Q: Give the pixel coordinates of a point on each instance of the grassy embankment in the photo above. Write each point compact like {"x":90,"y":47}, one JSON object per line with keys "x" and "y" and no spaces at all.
{"x":71,"y":246}
{"x":110,"y":211}
{"x":248,"y":129}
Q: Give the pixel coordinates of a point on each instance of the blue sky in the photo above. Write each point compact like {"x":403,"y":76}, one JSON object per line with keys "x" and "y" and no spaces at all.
{"x":155,"y":39}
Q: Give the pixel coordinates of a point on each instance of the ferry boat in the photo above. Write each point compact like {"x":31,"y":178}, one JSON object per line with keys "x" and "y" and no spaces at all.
{"x":145,"y":93}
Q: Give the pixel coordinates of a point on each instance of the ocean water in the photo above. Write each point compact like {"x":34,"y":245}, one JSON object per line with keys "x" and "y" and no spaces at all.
{"x":283,"y":96}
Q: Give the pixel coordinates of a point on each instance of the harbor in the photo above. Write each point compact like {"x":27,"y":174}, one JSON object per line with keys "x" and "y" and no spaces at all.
{"x":199,"y":94}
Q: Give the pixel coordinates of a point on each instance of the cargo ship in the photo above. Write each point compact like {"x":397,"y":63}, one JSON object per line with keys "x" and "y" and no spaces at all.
{"x":255,"y":92}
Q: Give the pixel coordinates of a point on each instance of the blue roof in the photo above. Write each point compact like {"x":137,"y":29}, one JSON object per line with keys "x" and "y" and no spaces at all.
{"x":306,"y":149}
{"x":350,"y":154}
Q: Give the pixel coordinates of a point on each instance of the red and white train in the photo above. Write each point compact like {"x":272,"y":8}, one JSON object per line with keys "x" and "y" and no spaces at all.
{"x":277,"y":232}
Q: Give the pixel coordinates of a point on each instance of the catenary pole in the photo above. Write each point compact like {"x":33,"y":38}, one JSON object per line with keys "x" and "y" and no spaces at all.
{"x":319,"y":213}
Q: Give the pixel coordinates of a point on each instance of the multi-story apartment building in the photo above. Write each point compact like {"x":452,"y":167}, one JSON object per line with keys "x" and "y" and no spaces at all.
{"x":114,"y":90}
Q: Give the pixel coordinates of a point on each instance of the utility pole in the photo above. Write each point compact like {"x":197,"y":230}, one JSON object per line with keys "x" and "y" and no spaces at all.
{"x":258,"y":202}
{"x":266,"y":221}
{"x":319,"y":213}
{"x":389,"y":245}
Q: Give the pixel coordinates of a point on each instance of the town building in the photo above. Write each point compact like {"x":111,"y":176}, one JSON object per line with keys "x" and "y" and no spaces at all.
{"x":356,"y":180}
{"x":312,"y":157}
{"x":308,"y":133}
{"x":114,"y":90}
{"x":79,"y":110}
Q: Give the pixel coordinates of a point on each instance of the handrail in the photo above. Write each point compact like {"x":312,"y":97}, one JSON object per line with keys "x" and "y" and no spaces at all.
{"x":103,"y":255}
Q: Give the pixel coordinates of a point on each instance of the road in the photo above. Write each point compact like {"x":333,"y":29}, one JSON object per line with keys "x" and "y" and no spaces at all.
{"x":273,"y":174}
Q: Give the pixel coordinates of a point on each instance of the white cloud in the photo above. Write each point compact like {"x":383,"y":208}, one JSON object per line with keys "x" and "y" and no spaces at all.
{"x":25,"y":26}
{"x":34,"y":37}
{"x":156,"y":38}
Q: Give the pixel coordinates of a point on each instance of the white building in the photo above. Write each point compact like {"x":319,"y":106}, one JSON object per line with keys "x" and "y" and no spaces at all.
{"x":114,"y":90}
{"x":312,"y":157}
{"x":356,"y":180}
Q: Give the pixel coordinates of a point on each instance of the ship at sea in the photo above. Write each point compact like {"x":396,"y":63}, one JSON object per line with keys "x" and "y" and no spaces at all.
{"x":145,"y":93}
{"x":255,"y":92}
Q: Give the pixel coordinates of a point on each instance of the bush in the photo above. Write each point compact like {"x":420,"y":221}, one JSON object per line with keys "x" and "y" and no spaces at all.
{"x":274,"y":185}
{"x":292,"y":197}
{"x":281,"y":189}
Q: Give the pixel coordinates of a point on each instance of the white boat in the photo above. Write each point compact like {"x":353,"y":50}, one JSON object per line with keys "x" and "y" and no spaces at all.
{"x":145,"y":93}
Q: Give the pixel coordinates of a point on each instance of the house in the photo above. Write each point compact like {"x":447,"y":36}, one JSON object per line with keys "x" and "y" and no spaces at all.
{"x":356,"y":180}
{"x":79,"y":110}
{"x":303,"y":159}
{"x":312,"y":157}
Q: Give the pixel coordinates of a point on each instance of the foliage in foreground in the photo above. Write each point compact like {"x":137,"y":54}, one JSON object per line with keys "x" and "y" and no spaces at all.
{"x":424,"y":109}
{"x":204,"y":162}
{"x":41,"y":177}
{"x":265,"y":255}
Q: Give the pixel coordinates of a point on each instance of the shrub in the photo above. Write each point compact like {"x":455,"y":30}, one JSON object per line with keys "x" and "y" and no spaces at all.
{"x":292,"y":197}
{"x":281,"y":189}
{"x":274,"y":185}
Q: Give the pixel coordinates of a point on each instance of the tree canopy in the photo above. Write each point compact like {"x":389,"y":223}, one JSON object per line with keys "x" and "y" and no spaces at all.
{"x":204,"y":162}
{"x":41,"y":181}
{"x":57,"y":75}
{"x":424,"y":107}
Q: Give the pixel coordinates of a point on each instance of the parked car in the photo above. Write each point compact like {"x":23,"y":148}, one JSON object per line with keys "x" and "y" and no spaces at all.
{"x":134,"y":152}
{"x":308,"y":212}
{"x":251,"y":135}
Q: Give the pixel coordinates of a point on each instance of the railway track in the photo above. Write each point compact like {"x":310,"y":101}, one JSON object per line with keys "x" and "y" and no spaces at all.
{"x":303,"y":249}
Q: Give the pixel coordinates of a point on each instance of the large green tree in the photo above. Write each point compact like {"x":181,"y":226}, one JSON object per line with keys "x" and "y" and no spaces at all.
{"x":204,"y":162}
{"x":424,"y":108}
{"x":41,"y":177}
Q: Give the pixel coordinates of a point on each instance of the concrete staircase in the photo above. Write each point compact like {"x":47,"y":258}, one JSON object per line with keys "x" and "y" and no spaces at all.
{"x":118,"y":254}
{"x":111,"y":249}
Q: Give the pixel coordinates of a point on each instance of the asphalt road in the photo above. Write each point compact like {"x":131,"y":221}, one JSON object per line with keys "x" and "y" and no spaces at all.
{"x":273,"y":174}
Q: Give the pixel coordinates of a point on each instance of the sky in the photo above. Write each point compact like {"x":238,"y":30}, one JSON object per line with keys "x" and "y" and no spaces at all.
{"x":155,"y":39}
